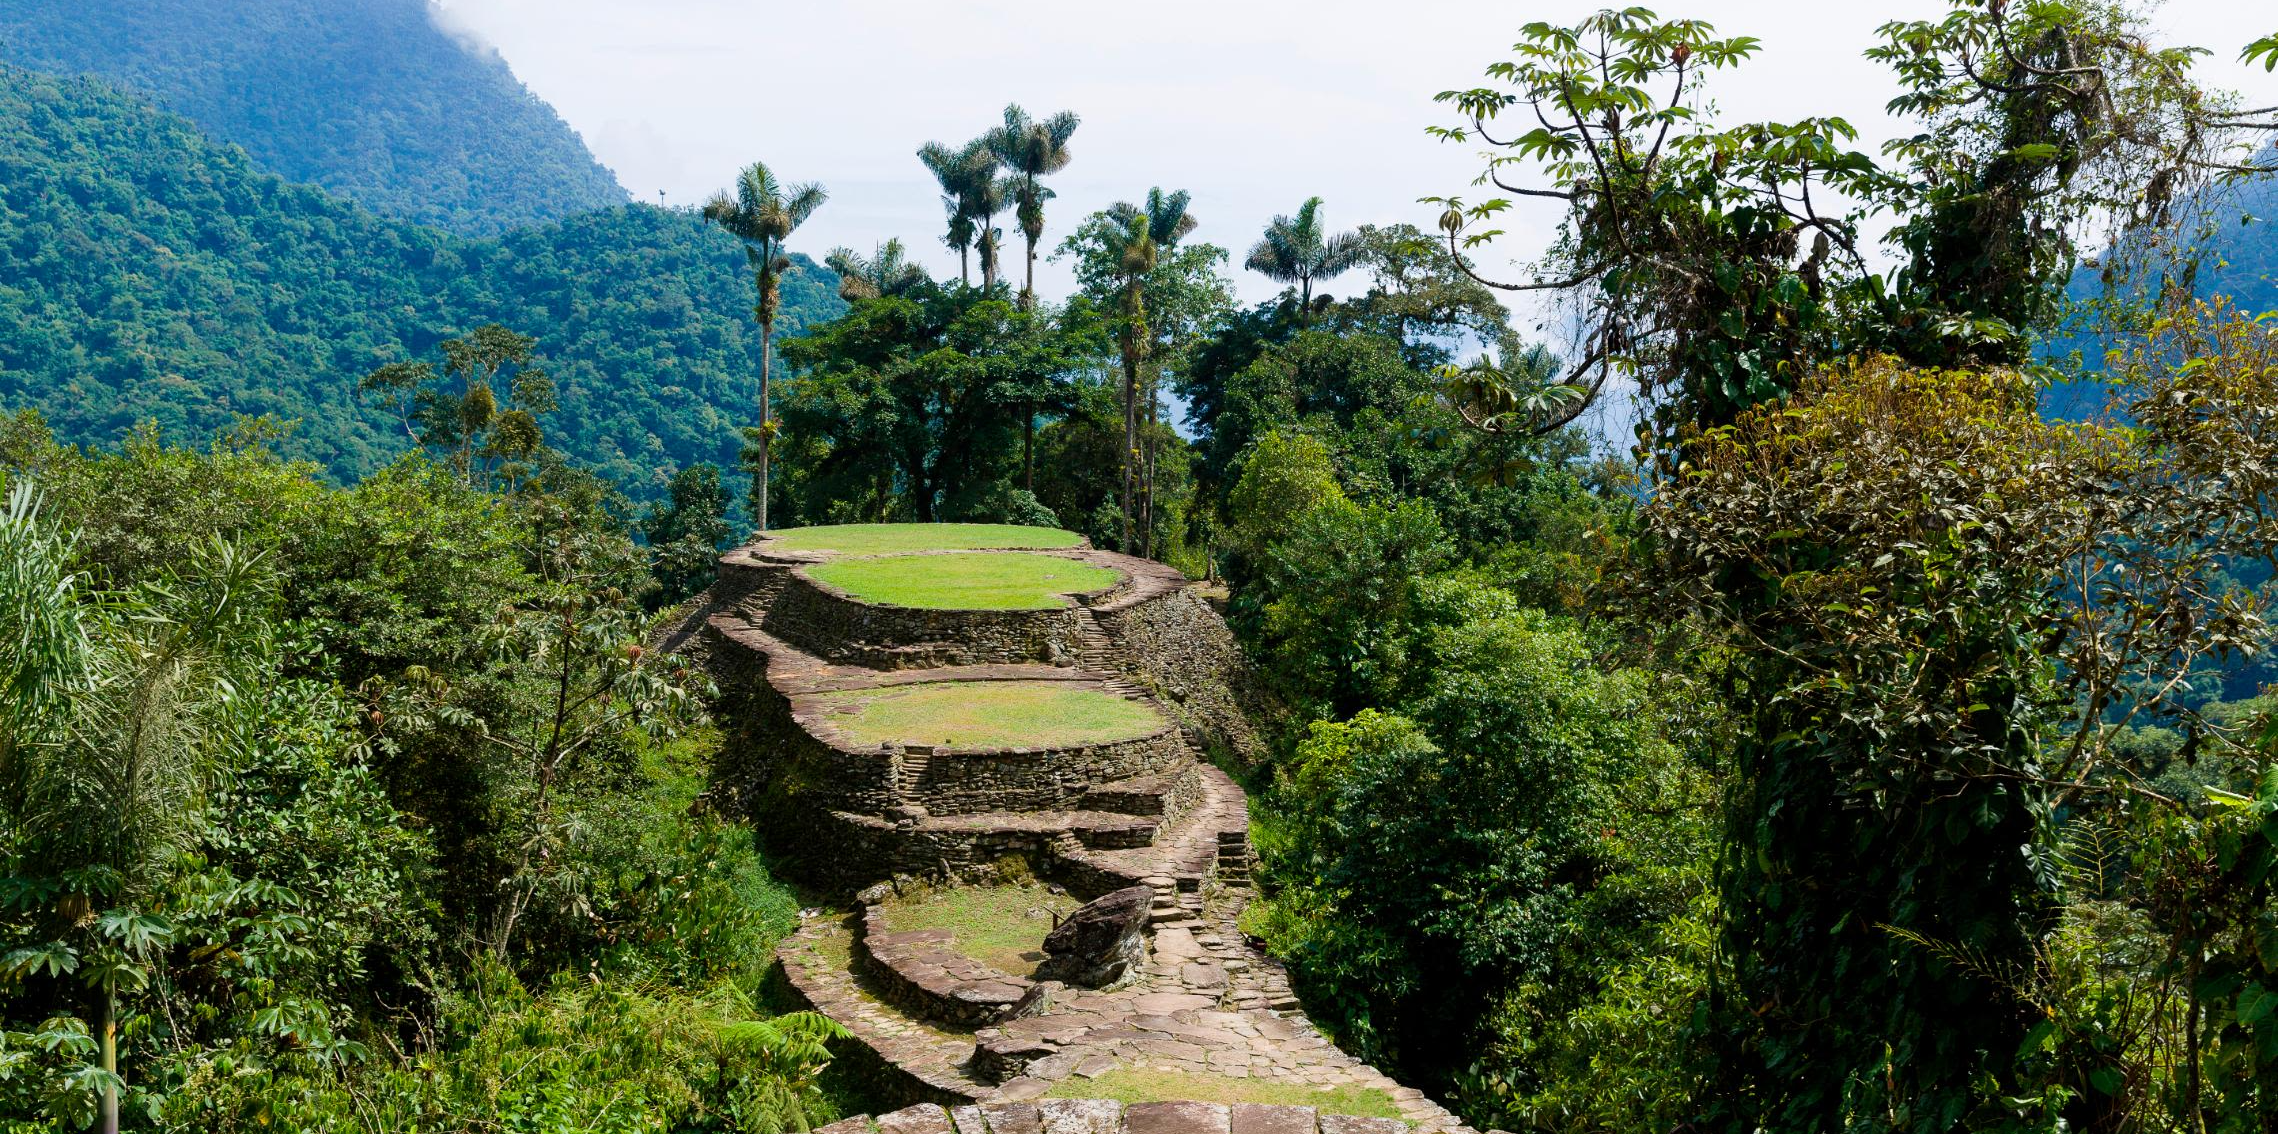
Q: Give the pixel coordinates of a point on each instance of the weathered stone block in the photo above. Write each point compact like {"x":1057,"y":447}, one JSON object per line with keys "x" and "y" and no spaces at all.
{"x":1177,"y":1118}
{"x":1258,"y":1118}
{"x":925,"y":1118}
{"x":1355,"y":1124}
{"x":1080,"y":1116}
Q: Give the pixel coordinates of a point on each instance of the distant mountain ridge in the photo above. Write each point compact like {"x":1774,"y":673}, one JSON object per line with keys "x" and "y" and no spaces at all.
{"x":148,"y":273}
{"x":368,"y":98}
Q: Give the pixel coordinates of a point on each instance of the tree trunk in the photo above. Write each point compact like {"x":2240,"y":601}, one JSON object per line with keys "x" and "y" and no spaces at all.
{"x":1028,"y":452}
{"x":965,"y":266}
{"x":1028,"y":289}
{"x":766,"y":441}
{"x":1130,"y":438}
{"x":109,"y":1122}
{"x":1147,"y":480}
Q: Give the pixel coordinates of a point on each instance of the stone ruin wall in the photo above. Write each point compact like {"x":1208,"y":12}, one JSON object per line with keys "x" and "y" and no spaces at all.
{"x":1180,"y":648}
{"x":838,"y":628}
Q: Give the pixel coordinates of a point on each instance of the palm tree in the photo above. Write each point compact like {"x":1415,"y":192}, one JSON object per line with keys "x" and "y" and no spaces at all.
{"x":886,"y":271}
{"x":104,"y":717}
{"x":970,"y":195}
{"x":1031,"y":150}
{"x":989,"y":198}
{"x":1136,"y":237}
{"x":1296,"y":251}
{"x":763,"y":213}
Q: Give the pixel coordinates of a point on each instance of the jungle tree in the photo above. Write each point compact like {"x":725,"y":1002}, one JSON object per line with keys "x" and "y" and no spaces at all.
{"x":1133,"y":239}
{"x":1296,"y":250}
{"x":1032,"y":149}
{"x":888,"y":270}
{"x":104,"y":730}
{"x":763,"y":213}
{"x":964,"y":173}
{"x":463,"y":418}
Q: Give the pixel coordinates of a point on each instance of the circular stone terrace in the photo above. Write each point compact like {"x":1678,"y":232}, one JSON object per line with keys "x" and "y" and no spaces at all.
{"x":955,"y":684}
{"x":987,"y":714}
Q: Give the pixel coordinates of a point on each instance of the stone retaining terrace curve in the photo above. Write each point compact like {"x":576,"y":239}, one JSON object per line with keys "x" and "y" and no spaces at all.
{"x":1093,"y":812}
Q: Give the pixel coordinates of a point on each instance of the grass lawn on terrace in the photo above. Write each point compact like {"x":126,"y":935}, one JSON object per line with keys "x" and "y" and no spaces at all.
{"x":884,"y":539}
{"x":979,"y":580}
{"x":988,"y":714}
{"x":1135,"y":1085}
{"x":1000,"y":926}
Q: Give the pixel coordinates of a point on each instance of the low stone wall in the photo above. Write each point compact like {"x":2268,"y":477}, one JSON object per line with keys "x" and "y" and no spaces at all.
{"x":1106,"y":1116}
{"x":839,"y":628}
{"x":1182,"y":651}
{"x":922,"y":973}
{"x":1014,"y":779}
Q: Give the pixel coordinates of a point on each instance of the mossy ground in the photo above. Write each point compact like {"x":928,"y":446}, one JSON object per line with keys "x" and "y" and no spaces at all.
{"x":978,"y":580}
{"x":988,"y":714}
{"x":1128,"y":1085}
{"x":884,"y":539}
{"x":1000,"y":926}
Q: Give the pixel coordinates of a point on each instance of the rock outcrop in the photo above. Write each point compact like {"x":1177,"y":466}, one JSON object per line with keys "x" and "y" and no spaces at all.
{"x":1101,"y":944}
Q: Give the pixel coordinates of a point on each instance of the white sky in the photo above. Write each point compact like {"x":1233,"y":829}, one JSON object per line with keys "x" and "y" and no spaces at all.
{"x":1252,"y":105}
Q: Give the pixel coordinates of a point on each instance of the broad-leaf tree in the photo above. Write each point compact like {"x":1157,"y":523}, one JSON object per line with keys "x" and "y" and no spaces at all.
{"x":763,"y":213}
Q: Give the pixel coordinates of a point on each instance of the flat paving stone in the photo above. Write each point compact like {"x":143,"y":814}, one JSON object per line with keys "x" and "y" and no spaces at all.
{"x":1177,"y":1118}
{"x":1165,"y":1003}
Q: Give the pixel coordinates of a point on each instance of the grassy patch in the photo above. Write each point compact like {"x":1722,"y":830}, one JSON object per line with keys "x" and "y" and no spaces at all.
{"x":979,"y":580}
{"x":883,"y":539}
{"x":1133,"y":1086}
{"x":1001,"y":926}
{"x":988,"y":714}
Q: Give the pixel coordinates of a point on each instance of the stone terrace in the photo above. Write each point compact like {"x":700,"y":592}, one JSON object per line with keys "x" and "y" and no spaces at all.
{"x":1093,"y":818}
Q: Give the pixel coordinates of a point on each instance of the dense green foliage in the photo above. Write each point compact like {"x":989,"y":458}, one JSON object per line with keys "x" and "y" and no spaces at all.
{"x":393,"y":879}
{"x":154,"y":276}
{"x":369,"y":99}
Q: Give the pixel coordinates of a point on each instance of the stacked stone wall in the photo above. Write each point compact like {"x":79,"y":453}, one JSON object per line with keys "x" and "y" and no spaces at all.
{"x":1017,"y":779}
{"x":838,"y":628}
{"x":1181,"y":649}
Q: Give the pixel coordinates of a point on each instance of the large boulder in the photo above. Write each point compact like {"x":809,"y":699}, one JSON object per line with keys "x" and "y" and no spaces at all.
{"x":1102,"y":943}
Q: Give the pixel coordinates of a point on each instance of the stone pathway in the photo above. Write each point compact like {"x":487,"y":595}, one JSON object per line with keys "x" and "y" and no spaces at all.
{"x":1207,"y":1005}
{"x":1106,"y":1116}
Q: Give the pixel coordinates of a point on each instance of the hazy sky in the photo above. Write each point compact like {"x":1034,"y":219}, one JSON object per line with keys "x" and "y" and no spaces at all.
{"x":1252,"y":105}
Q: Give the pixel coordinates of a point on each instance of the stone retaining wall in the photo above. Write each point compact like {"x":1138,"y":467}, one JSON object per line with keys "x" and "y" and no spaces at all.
{"x":1106,"y":1116}
{"x":832,"y":625}
{"x":1015,"y":779}
{"x":1177,"y":646}
{"x":922,"y":973}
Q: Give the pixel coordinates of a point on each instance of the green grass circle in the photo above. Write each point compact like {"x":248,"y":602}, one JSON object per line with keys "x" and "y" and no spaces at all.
{"x":979,"y":580}
{"x":988,"y":714}
{"x":883,"y":539}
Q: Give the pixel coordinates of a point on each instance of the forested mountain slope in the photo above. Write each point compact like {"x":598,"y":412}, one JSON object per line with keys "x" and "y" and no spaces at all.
{"x":149,"y":273}
{"x":367,"y":98}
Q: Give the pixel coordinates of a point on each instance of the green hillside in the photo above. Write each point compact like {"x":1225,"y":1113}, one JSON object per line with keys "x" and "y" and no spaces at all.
{"x":367,"y":98}
{"x":147,"y":272}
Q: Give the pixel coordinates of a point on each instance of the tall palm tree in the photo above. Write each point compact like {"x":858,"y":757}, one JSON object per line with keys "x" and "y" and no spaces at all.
{"x":1032,"y":149}
{"x":763,"y":213}
{"x":1136,"y":237}
{"x":886,"y":271}
{"x":1295,"y":250}
{"x":970,"y":194}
